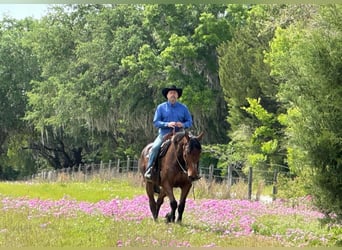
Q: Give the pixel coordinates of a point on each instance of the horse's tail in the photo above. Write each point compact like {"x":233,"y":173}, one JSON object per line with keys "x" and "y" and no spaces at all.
{"x":143,"y":159}
{"x":141,"y":165}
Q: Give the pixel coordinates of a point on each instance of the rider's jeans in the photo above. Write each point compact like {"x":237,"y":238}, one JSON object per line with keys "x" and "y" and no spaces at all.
{"x":155,"y":149}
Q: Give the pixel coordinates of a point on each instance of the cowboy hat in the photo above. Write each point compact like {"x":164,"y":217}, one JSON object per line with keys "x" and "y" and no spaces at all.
{"x":173,"y":87}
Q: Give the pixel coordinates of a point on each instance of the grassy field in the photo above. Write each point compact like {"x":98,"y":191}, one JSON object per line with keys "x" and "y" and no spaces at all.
{"x":92,"y":191}
{"x":115,"y":214}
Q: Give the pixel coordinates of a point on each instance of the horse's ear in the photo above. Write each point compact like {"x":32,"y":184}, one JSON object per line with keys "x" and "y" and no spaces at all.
{"x":187,"y":136}
{"x":200,"y":136}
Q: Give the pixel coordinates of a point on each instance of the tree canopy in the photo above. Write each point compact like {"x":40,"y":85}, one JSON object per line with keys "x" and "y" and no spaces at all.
{"x":264,"y":81}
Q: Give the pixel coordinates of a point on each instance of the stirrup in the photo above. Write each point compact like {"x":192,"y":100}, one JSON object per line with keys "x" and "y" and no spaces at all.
{"x":148,"y":174}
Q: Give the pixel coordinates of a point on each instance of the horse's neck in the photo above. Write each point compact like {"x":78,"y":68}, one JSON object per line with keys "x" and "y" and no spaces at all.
{"x":178,"y":152}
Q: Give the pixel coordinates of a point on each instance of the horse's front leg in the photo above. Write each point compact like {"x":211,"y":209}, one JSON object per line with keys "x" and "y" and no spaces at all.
{"x":184,"y":193}
{"x":171,"y":216}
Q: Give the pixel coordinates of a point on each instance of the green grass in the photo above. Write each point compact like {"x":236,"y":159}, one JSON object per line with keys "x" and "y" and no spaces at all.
{"x":91,"y":191}
{"x":99,"y":231}
{"x":26,"y":227}
{"x":296,"y":228}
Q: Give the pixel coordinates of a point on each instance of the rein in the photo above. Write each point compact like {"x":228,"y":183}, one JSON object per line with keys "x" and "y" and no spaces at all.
{"x":180,"y":165}
{"x":185,"y":172}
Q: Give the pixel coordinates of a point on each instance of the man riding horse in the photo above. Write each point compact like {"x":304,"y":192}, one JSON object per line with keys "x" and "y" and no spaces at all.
{"x":178,"y":164}
{"x":169,"y":116}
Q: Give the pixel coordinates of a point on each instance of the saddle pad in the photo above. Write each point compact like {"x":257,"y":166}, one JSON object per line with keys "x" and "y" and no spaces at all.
{"x":164,"y":147}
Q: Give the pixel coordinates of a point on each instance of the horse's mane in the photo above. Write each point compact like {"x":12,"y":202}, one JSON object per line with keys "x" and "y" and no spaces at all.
{"x":178,"y":136}
{"x":194,"y":144}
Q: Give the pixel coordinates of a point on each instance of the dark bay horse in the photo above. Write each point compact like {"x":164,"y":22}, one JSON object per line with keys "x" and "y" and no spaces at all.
{"x":177,"y":168}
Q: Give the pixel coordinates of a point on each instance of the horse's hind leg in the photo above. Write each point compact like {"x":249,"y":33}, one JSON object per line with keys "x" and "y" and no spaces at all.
{"x":152,"y":202}
{"x":160,"y":201}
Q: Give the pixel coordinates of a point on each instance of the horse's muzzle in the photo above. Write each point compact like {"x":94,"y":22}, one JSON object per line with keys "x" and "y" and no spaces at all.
{"x":194,"y":178}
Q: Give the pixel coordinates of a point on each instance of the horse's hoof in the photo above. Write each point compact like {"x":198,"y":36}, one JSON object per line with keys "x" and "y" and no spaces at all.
{"x":168,"y":218}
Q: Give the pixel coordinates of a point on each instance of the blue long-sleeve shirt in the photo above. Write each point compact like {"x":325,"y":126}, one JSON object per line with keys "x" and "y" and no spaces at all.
{"x":167,"y":112}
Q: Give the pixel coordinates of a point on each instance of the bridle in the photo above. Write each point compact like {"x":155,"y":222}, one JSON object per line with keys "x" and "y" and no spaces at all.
{"x":183,"y":168}
{"x":180,"y":165}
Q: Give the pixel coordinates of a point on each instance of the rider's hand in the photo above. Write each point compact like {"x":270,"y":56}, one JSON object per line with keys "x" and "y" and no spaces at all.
{"x":175,"y":124}
{"x":179,"y":124}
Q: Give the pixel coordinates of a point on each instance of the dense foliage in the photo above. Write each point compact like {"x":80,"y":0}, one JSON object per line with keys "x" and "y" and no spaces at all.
{"x":264,"y":81}
{"x":283,"y":90}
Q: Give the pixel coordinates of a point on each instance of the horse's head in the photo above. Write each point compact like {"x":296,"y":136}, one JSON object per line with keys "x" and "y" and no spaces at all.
{"x":189,"y":149}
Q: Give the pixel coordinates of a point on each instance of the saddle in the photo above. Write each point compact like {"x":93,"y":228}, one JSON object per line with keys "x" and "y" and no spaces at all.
{"x":155,"y":168}
{"x":165,"y":145}
{"x":162,"y":152}
{"x":163,"y":148}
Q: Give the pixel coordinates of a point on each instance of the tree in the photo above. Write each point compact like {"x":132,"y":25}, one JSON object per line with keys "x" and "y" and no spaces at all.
{"x":102,"y":67}
{"x":264,"y":145}
{"x":17,"y":66}
{"x":306,"y":60}
{"x":245,"y":76}
{"x":187,"y":36}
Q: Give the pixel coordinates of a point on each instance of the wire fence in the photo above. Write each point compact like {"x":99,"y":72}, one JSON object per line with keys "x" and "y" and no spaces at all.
{"x":121,"y":168}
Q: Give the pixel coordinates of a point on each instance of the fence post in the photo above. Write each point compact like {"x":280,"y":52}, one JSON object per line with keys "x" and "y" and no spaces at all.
{"x":275,"y":188}
{"x":109,"y":168}
{"x":128,"y":163}
{"x":101,"y":169}
{"x":211,"y":172}
{"x":72,"y":174}
{"x":229,"y":176}
{"x":118,"y":166}
{"x":250,"y":182}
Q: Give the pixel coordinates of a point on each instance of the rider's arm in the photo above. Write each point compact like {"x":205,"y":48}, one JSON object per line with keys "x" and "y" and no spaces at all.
{"x":157,"y":120}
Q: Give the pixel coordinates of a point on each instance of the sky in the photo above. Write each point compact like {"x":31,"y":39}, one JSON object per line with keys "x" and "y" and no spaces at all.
{"x":20,"y":11}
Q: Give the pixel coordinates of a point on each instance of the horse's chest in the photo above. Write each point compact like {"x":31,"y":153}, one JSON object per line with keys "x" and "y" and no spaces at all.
{"x":180,"y":180}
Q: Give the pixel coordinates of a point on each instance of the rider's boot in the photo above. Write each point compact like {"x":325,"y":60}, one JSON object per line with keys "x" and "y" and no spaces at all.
{"x":148,"y":177}
{"x":148,"y":173}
